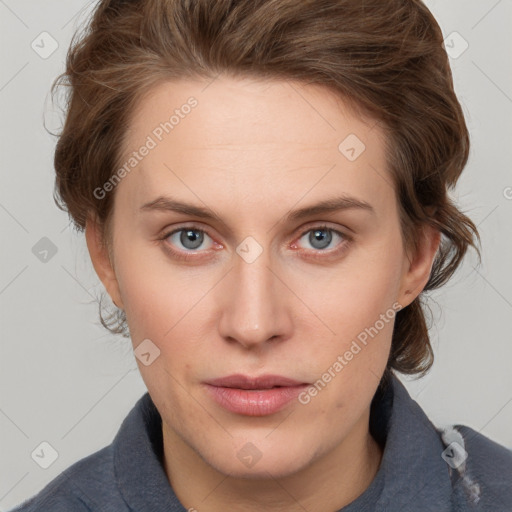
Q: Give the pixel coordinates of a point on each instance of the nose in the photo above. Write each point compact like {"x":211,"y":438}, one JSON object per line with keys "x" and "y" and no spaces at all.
{"x":255,"y":303}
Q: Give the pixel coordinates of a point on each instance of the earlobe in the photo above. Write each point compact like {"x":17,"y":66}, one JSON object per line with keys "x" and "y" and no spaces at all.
{"x":101,"y":261}
{"x":419,"y":266}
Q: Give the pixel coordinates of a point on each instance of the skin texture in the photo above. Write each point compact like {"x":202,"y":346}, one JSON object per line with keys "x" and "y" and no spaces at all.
{"x":252,"y":151}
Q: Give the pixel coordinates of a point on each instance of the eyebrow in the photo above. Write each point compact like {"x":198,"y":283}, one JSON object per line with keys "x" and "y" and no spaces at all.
{"x":332,"y":205}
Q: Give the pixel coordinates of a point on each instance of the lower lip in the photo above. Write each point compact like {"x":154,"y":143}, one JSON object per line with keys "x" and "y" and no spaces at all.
{"x":259,"y":402}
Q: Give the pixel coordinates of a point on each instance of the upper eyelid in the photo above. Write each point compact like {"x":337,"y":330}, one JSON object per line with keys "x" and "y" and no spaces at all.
{"x":322,"y":226}
{"x":311,"y":226}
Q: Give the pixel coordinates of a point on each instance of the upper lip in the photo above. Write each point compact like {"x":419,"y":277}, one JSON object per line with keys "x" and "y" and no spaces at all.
{"x":245,"y":382}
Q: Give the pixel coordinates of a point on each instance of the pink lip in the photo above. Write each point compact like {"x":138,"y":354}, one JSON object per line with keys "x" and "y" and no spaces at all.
{"x":256,"y":396}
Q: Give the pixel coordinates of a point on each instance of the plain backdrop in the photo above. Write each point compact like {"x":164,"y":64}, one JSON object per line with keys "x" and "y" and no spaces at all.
{"x":66,"y":381}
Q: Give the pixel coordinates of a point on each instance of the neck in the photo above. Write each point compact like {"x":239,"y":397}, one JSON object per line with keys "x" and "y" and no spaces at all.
{"x":330,"y":482}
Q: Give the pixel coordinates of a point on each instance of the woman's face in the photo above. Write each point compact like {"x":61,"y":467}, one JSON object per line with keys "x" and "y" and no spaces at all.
{"x":261,"y":283}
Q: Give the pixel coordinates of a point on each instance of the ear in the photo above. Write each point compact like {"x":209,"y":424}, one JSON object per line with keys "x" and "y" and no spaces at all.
{"x":418,"y":266}
{"x":101,"y":260}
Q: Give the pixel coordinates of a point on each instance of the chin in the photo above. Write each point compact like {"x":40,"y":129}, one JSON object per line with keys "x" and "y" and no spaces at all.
{"x":248,"y":462}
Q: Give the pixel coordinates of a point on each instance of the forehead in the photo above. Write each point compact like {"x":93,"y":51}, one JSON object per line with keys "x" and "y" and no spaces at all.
{"x":251,"y":138}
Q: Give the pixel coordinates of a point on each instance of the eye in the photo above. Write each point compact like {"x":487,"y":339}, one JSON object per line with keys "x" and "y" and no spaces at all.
{"x":189,"y":238}
{"x":320,"y":238}
{"x":186,"y":242}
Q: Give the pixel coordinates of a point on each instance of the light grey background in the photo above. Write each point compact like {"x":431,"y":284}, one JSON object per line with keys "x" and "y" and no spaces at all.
{"x":66,"y":381}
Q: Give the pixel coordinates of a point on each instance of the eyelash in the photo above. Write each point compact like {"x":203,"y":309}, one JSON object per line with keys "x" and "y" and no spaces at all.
{"x":189,"y":256}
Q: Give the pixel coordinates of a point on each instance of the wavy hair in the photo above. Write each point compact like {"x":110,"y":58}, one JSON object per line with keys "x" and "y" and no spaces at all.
{"x":386,"y":58}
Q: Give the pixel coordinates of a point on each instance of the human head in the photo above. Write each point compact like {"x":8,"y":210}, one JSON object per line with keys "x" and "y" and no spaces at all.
{"x":396,"y":72}
{"x":391,"y":80}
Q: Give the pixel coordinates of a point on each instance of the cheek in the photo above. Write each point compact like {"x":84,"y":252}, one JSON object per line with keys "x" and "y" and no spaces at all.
{"x":358,"y":305}
{"x":163,"y":305}
{"x":354,"y":297}
{"x":158,"y":311}
{"x":349,"y":363}
{"x":145,"y":297}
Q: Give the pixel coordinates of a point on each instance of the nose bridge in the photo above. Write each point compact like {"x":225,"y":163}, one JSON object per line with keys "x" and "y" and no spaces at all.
{"x":254,"y":309}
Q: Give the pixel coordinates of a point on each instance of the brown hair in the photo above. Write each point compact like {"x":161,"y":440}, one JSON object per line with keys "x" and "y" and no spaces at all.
{"x":386,"y":58}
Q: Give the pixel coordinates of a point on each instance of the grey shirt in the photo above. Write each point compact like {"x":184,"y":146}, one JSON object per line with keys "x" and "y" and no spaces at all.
{"x":423,"y":469}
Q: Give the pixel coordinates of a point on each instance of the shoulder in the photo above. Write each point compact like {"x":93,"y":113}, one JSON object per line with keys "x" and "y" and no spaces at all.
{"x":88,"y":484}
{"x":483,"y":468}
{"x":486,"y":454}
{"x":489,"y":462}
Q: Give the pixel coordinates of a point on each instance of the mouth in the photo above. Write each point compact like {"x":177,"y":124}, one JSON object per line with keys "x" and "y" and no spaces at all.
{"x":254,"y":396}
